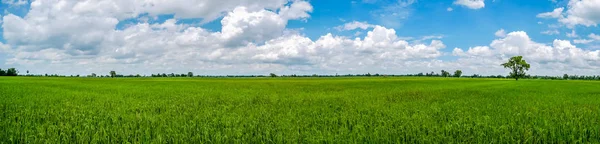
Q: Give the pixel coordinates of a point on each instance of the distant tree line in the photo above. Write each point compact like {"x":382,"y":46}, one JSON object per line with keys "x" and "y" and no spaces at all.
{"x":516,"y":64}
{"x":9,"y":72}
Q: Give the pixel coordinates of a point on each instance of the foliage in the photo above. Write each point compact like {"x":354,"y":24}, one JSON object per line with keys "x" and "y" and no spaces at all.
{"x":297,"y":110}
{"x":457,"y":73}
{"x":9,"y":72}
{"x":113,"y":74}
{"x":272,"y":75}
{"x":445,"y":73}
{"x":518,"y":66}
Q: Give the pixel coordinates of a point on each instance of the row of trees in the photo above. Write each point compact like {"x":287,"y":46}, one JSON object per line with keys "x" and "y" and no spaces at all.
{"x":517,"y":65}
{"x":9,"y":72}
{"x":189,"y":74}
{"x":444,"y":73}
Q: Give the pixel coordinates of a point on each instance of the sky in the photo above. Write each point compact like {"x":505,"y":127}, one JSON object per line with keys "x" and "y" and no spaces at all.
{"x":248,"y":37}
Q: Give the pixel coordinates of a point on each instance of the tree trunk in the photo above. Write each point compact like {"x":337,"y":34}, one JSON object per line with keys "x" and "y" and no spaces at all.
{"x":517,"y":79}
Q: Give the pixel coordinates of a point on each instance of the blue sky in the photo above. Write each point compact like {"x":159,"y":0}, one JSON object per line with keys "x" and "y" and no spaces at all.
{"x":299,"y":37}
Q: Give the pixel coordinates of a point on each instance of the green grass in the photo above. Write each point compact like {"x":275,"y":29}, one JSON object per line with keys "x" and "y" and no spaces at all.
{"x":298,"y":110}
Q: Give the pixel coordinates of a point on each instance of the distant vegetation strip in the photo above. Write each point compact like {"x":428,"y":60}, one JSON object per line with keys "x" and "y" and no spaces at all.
{"x":443,"y":73}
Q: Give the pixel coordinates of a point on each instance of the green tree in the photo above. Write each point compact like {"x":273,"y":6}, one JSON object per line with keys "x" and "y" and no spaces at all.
{"x":445,"y":73}
{"x":12,"y":72}
{"x":273,"y":75}
{"x":190,"y":74}
{"x":566,"y":76}
{"x":2,"y":72}
{"x":518,"y":66}
{"x":457,"y":73}
{"x":113,"y":74}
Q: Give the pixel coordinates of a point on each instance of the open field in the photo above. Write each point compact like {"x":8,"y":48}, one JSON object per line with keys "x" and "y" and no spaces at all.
{"x":294,"y":110}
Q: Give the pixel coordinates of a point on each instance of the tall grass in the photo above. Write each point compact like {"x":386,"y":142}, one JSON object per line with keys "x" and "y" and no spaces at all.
{"x":298,"y":110}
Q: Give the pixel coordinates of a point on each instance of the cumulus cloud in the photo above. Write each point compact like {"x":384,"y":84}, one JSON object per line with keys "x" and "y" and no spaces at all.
{"x":253,"y":39}
{"x":500,"y":33}
{"x":298,"y":10}
{"x":478,"y":51}
{"x":241,"y":27}
{"x":592,"y":38}
{"x":549,"y":59}
{"x":578,"y":12}
{"x":472,"y":4}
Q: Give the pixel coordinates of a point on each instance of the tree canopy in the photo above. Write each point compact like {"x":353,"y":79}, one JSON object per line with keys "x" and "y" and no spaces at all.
{"x":518,"y":66}
{"x":457,"y":73}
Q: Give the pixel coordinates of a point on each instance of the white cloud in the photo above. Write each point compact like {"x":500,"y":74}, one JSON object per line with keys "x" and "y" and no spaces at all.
{"x":253,"y":40}
{"x":553,"y":59}
{"x":354,"y":25}
{"x":556,"y":13}
{"x":582,"y":12}
{"x":298,"y":10}
{"x":472,"y":4}
{"x":551,"y":32}
{"x":582,"y":41}
{"x":449,"y":9}
{"x":578,"y":12}
{"x":477,"y":51}
{"x":500,"y":33}
{"x":250,"y":42}
{"x":15,"y":2}
{"x":594,"y":36}
{"x":572,"y":34}
{"x":357,"y":33}
{"x":241,"y":27}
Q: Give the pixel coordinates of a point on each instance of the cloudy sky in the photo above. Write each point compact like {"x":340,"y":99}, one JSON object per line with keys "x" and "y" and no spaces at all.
{"x":219,"y":37}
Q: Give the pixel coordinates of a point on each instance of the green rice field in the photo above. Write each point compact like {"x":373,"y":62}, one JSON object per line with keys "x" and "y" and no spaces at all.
{"x":298,"y":110}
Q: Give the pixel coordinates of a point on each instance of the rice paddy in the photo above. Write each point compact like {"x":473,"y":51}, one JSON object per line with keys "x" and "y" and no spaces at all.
{"x":298,"y":110}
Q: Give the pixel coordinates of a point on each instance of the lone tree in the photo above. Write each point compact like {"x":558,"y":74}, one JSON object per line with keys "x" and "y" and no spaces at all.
{"x":518,"y":66}
{"x":113,"y":74}
{"x":457,"y":73}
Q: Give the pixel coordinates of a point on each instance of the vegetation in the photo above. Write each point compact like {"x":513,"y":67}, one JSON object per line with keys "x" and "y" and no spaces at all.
{"x":457,"y":73}
{"x":298,"y":110}
{"x":518,"y":66}
{"x":9,"y":72}
{"x":445,"y":73}
{"x":113,"y":74}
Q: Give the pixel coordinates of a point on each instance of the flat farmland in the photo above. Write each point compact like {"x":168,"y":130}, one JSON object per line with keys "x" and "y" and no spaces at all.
{"x":298,"y":110}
